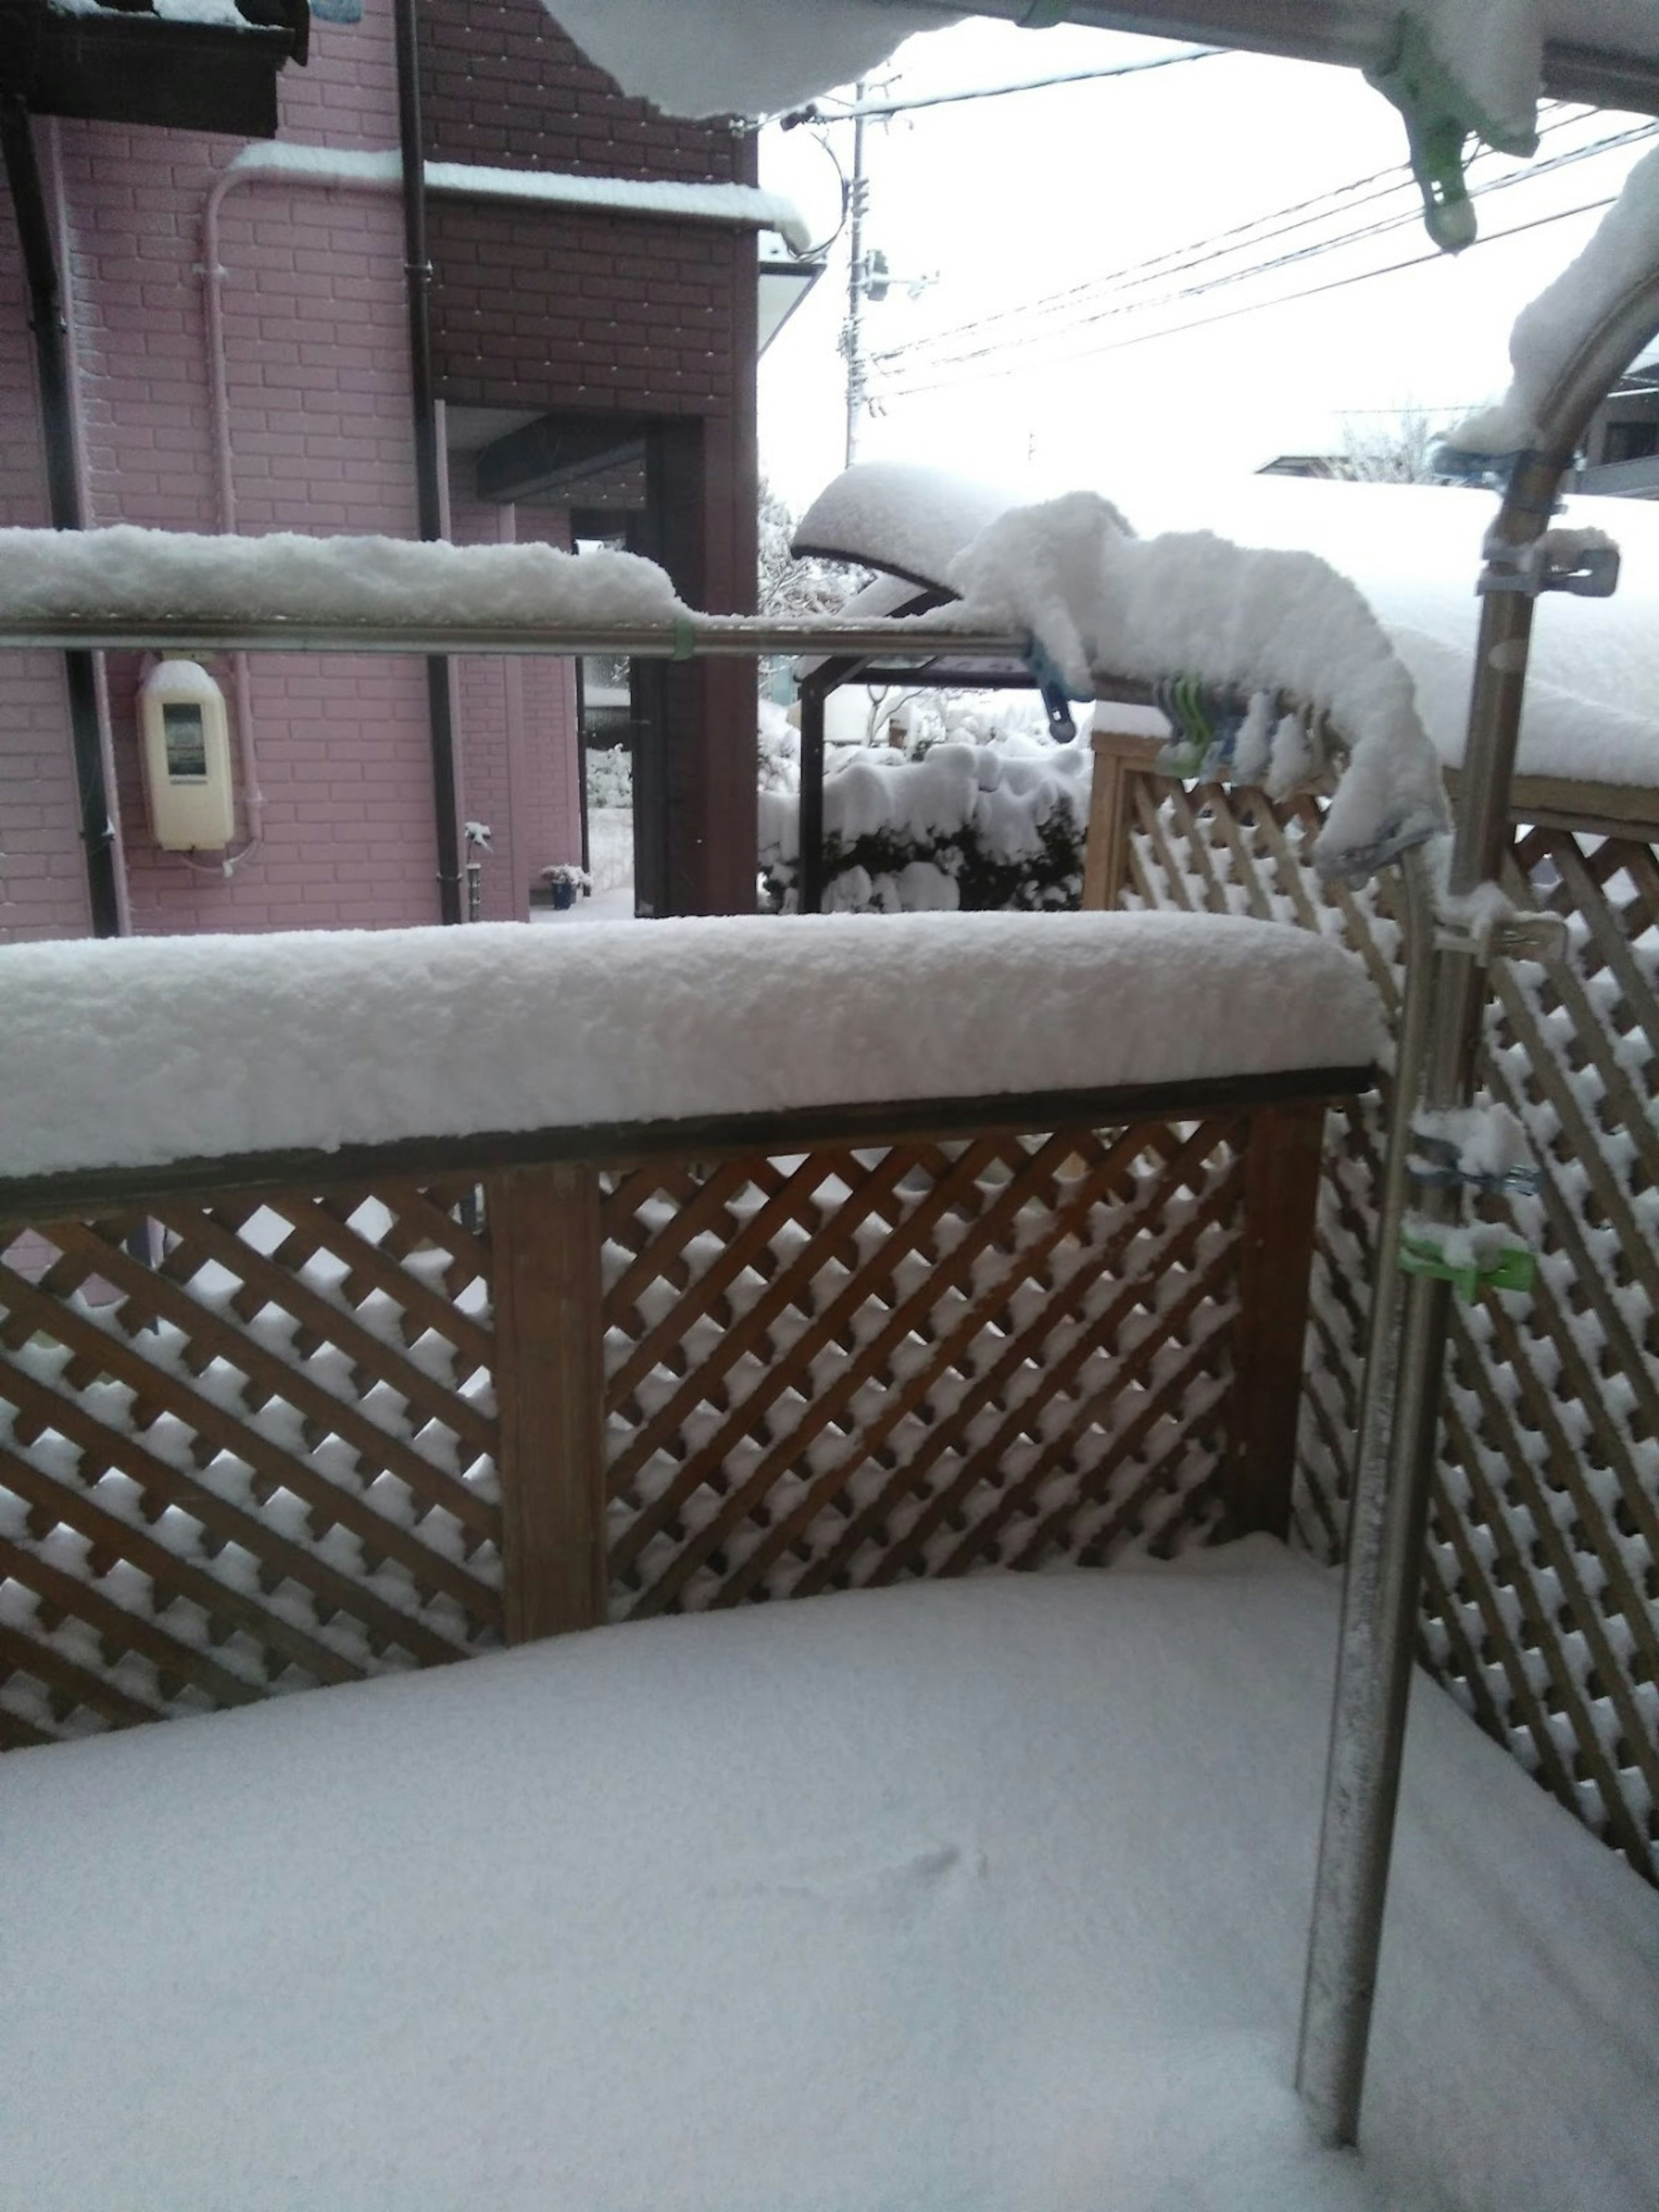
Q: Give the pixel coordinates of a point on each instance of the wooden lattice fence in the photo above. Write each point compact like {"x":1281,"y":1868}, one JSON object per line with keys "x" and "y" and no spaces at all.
{"x":1541,"y":1607}
{"x":256,"y":1439}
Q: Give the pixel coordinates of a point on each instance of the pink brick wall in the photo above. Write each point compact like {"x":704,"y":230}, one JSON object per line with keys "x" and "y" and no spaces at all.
{"x":316,"y":379}
{"x":319,"y":409}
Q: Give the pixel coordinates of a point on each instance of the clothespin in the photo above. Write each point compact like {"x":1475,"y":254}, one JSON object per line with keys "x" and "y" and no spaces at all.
{"x":1440,"y":117}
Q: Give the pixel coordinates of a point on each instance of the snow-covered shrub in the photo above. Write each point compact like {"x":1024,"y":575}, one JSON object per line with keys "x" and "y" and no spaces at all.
{"x":610,"y":776}
{"x":980,"y":811}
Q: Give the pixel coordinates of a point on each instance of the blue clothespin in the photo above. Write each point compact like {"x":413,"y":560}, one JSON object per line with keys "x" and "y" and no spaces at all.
{"x":1057,"y":693}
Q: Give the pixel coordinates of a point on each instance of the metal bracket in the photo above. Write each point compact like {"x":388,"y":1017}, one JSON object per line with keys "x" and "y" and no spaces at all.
{"x":1434,"y":1163}
{"x":1540,"y":937}
{"x":1590,"y":571}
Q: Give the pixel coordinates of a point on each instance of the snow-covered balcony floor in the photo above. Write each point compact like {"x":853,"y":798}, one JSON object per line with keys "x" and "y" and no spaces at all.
{"x":981,"y":1894}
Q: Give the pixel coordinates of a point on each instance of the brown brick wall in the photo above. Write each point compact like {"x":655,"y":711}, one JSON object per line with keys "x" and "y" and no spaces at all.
{"x":561,"y":309}
{"x":502,"y":84}
{"x":565,"y":309}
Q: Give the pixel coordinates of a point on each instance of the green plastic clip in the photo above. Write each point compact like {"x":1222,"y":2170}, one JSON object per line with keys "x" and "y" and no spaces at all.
{"x":1440,"y":118}
{"x":685,"y":638}
{"x":1180,"y":699}
{"x":1512,"y":1268}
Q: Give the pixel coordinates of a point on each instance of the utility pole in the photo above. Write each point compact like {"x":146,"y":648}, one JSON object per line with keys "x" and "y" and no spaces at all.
{"x":852,"y":336}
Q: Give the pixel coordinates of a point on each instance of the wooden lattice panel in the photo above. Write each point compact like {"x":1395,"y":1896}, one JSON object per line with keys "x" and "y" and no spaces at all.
{"x":246,"y":1445}
{"x":1541,"y":1600}
{"x":840,"y":1369}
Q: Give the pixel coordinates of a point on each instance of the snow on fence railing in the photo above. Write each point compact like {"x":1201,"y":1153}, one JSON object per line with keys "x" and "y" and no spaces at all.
{"x":273,"y":1420}
{"x":1543,"y":1564}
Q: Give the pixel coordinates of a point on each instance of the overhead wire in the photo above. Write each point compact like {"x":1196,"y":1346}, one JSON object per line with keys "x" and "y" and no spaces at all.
{"x":1318,"y":209}
{"x":1247,"y":307}
{"x":960,"y":367}
{"x":869,"y":111}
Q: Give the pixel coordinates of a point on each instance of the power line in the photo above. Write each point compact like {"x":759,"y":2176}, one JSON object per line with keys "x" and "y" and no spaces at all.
{"x":863,"y":111}
{"x":1110,"y":310}
{"x":1250,"y":307}
{"x":1216,"y":247}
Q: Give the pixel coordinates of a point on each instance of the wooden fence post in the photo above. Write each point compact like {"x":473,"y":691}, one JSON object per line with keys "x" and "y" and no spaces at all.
{"x":549,"y":1383}
{"x":1282,"y":1157}
{"x":1118,"y":757}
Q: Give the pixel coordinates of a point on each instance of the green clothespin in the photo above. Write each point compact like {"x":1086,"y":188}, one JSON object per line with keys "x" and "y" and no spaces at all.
{"x":1512,"y":1267}
{"x":1440,"y":118}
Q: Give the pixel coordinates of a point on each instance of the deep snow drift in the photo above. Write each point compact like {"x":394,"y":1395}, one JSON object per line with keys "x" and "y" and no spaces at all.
{"x":962,"y":1897}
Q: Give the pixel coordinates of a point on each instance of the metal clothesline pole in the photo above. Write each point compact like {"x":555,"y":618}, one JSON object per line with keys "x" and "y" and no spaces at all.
{"x":698,"y":637}
{"x":1406,"y":1354}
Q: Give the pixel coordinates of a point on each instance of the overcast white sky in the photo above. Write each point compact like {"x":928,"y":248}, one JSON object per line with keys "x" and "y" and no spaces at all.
{"x":1010,"y":200}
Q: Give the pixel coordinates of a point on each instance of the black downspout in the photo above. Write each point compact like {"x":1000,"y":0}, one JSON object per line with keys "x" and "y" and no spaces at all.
{"x":418,"y":270}
{"x":63,"y":495}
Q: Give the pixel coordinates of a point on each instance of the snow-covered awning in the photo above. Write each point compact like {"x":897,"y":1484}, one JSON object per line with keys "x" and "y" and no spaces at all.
{"x":744,"y":205}
{"x":143,"y":1051}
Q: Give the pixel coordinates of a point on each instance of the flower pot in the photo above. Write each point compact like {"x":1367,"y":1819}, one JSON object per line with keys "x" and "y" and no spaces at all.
{"x":564,"y":896}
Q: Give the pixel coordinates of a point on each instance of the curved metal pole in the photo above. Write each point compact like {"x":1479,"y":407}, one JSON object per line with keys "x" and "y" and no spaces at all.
{"x":1405,"y":1352}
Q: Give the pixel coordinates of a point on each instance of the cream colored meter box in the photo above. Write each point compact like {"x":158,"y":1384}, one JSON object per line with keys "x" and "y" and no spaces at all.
{"x":186,"y":734}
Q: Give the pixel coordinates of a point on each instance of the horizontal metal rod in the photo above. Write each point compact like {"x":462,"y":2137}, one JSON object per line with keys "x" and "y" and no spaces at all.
{"x":1338,"y":32}
{"x":705,"y":637}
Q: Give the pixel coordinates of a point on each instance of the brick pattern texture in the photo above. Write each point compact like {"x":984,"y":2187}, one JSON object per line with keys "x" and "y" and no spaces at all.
{"x":533,"y":310}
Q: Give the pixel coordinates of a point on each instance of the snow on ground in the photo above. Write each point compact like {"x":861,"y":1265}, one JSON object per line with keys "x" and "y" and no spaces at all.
{"x":959,"y":1897}
{"x":616,"y":904}
{"x":128,"y":572}
{"x":611,"y":849}
{"x":137,"y":1050}
{"x":1623,"y":249}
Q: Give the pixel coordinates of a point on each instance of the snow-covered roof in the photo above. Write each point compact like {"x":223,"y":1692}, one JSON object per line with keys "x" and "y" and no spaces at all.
{"x":961,"y":1897}
{"x":146,"y":1050}
{"x":909,"y":519}
{"x":751,"y":57}
{"x":743,"y":204}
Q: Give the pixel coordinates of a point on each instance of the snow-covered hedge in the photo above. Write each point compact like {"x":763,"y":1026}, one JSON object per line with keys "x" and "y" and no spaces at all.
{"x":610,"y":776}
{"x":977,"y":809}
